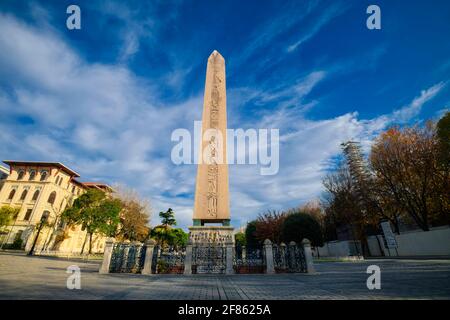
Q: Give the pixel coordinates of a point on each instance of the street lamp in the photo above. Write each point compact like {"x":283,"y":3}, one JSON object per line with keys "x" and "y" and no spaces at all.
{"x":41,"y":224}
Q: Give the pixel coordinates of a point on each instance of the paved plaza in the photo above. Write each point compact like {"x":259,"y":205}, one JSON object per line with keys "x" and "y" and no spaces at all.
{"x":23,"y":277}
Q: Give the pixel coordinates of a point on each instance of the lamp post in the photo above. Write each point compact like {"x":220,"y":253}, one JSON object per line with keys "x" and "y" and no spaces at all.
{"x":41,"y":224}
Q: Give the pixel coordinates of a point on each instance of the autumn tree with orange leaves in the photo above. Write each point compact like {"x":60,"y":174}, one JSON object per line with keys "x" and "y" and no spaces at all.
{"x":406,"y":165}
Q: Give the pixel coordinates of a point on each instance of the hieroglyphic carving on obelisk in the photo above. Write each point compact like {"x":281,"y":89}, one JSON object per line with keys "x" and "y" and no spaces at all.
{"x":211,"y":191}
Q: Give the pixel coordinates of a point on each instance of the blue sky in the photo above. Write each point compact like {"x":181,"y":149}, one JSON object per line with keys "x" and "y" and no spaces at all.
{"x":105,"y":99}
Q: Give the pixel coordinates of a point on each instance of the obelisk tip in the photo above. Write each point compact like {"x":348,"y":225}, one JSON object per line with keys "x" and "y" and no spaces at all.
{"x":215,"y":54}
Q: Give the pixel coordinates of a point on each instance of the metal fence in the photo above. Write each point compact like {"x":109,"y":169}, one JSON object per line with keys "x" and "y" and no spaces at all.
{"x":127,"y":258}
{"x":168,"y":259}
{"x":248,"y":259}
{"x":289,"y":258}
{"x":208,"y":258}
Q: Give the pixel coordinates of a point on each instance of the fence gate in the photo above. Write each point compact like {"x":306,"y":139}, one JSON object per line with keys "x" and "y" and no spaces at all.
{"x":249,"y":259}
{"x":289,"y":258}
{"x":208,"y":258}
{"x":127,"y":258}
{"x":168,"y":260}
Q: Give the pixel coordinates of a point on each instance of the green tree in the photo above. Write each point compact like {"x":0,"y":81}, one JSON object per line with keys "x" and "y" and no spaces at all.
{"x":178,"y":237}
{"x":7,"y":215}
{"x":168,"y":218}
{"x":250,"y":234}
{"x":164,"y":234}
{"x":298,"y":226}
{"x":239,"y":239}
{"x":443,"y":135}
{"x":96,"y":212}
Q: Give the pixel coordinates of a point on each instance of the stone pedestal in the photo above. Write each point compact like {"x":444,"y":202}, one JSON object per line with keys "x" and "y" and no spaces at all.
{"x":104,"y":268}
{"x":308,"y":256}
{"x":211,"y":235}
{"x":147,"y":269}
{"x":270,"y":268}
{"x":216,"y":236}
{"x":188,"y":259}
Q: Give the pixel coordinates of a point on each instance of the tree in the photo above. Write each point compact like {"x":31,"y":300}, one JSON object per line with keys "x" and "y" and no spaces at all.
{"x":168,"y":218}
{"x":314,"y":209}
{"x":7,"y":215}
{"x":96,"y":212}
{"x":268,"y":226}
{"x":250,"y":234}
{"x":239,"y":239}
{"x":178,"y":238}
{"x":134,"y":217}
{"x":405,"y":163}
{"x":164,"y":234}
{"x":443,"y":182}
{"x":299,"y":226}
{"x":443,"y":136}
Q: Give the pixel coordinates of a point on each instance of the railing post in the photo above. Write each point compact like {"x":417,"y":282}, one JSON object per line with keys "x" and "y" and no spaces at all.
{"x":292,"y":261}
{"x":150,"y":246}
{"x":308,"y":256}
{"x":270,"y":268}
{"x":188,"y":259}
{"x":229,"y":258}
{"x":104,"y":268}
{"x":283,"y":256}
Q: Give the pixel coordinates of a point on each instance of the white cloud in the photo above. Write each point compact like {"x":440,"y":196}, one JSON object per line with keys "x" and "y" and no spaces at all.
{"x":411,"y":110}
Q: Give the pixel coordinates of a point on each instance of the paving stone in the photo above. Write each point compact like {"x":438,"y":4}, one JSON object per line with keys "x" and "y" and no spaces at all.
{"x":23,"y":277}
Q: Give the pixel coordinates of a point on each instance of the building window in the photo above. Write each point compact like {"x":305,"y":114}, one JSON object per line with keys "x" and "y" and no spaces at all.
{"x":28,"y":215}
{"x":35,"y":195}
{"x":18,"y":235}
{"x":60,"y":181}
{"x":24,"y":195}
{"x":21,"y":175}
{"x":32,"y":175}
{"x":73,"y":189}
{"x":11,"y":194}
{"x":44,"y":175}
{"x":52,"y":198}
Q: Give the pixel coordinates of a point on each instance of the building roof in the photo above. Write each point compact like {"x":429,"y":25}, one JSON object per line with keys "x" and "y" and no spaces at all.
{"x":4,"y":169}
{"x":42,"y":164}
{"x":98,"y":185}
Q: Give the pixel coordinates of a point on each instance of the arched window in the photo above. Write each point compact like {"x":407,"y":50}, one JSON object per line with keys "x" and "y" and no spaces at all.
{"x":52,"y":198}
{"x":21,"y":174}
{"x":24,"y":195}
{"x":44,"y":175}
{"x":11,"y":194}
{"x":32,"y":175}
{"x":35,"y":195}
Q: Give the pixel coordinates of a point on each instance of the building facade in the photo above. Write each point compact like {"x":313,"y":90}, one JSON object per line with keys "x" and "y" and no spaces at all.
{"x":45,"y":189}
{"x":4,"y":173}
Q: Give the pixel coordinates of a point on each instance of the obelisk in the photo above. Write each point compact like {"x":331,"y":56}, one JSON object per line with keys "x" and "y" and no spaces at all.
{"x":211,"y":190}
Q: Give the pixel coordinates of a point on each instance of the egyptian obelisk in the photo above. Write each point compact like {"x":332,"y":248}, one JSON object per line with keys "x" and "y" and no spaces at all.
{"x":211,"y":190}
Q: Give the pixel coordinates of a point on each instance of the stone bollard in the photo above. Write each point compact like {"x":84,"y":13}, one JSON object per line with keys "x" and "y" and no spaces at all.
{"x":104,"y":268}
{"x":147,"y":269}
{"x":229,"y":257}
{"x":270,"y":268}
{"x":308,"y":256}
{"x":188,"y":259}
